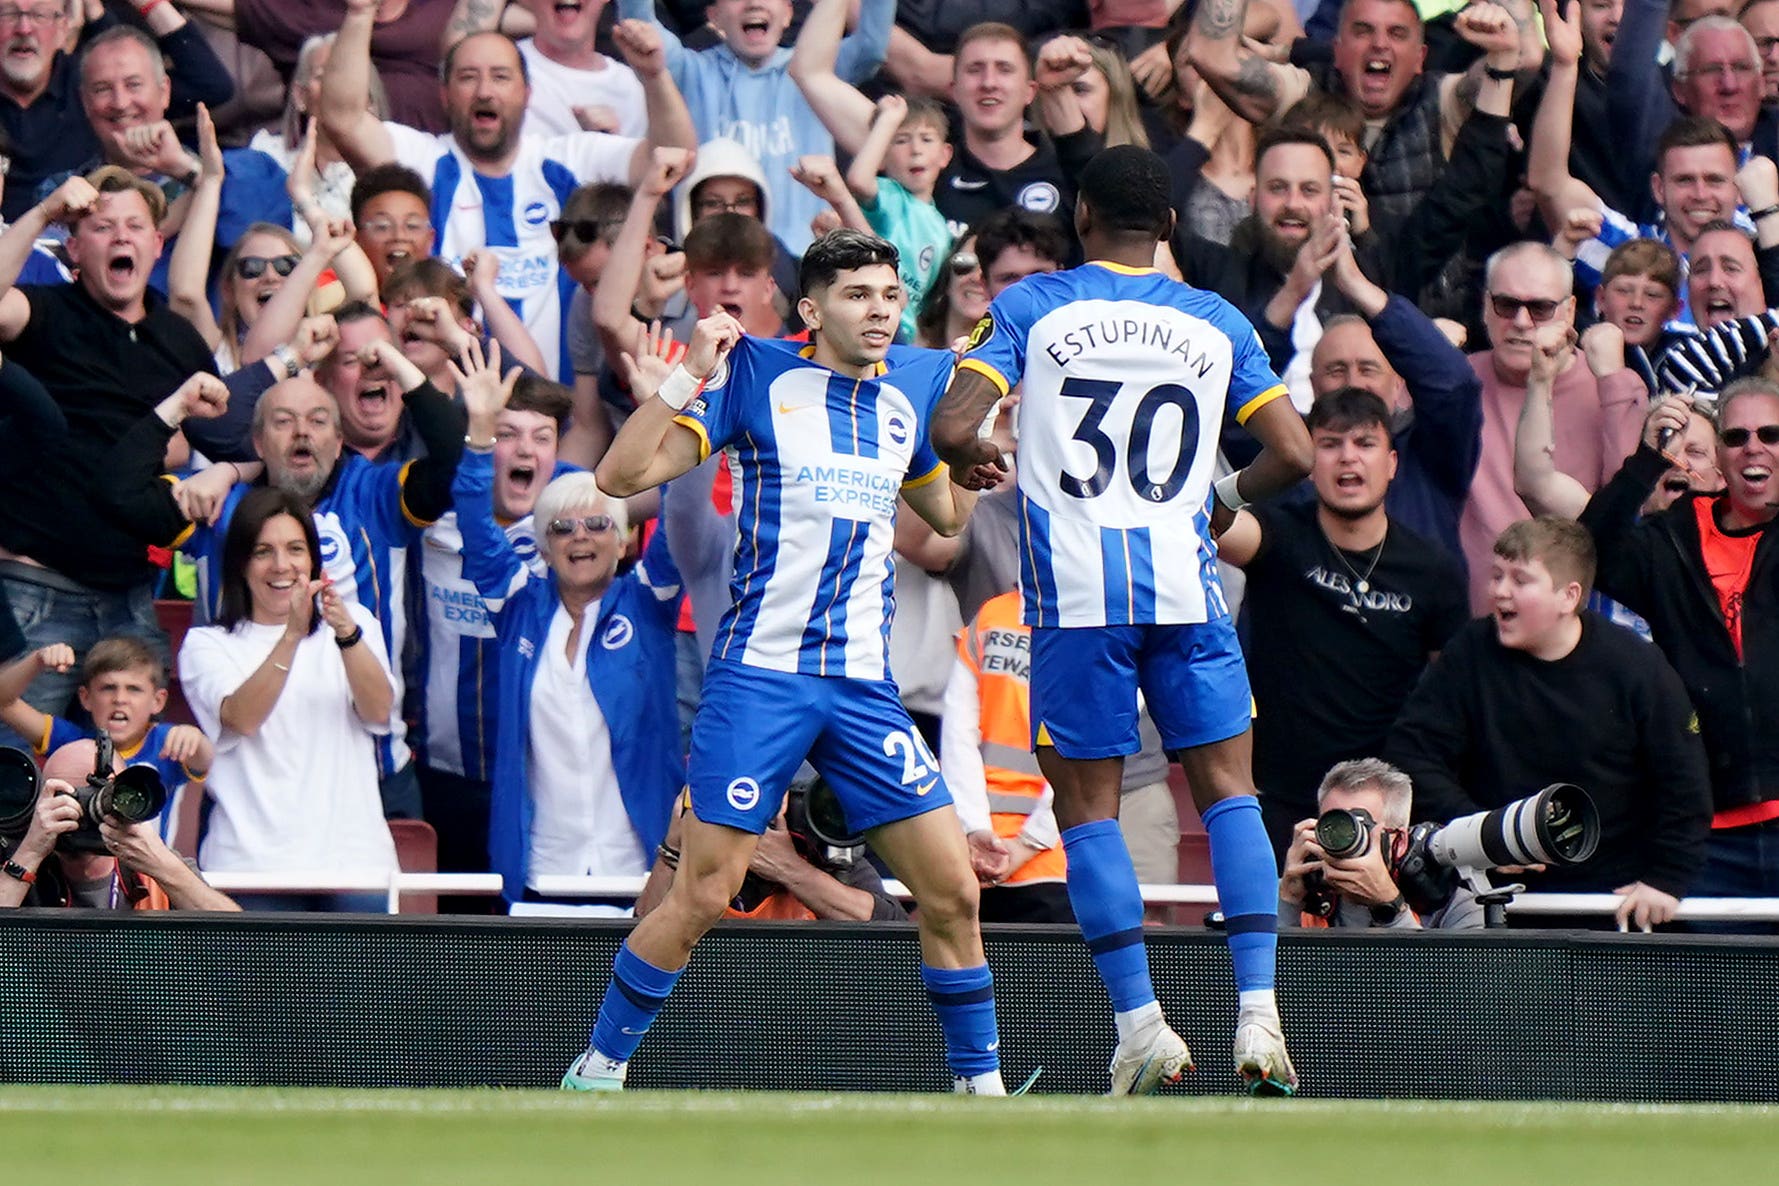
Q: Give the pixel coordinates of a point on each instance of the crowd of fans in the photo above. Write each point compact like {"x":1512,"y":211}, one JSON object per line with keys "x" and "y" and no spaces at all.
{"x":319,"y":313}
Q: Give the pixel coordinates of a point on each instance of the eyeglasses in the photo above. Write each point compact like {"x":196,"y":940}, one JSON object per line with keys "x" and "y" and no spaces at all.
{"x":37,"y":16}
{"x":586,"y":230}
{"x":965,"y":262}
{"x":252,"y":267}
{"x":1724,"y":70}
{"x":415,"y":227}
{"x":595,"y":524}
{"x":747,"y":204}
{"x":1507,"y":308}
{"x":1735,"y":438}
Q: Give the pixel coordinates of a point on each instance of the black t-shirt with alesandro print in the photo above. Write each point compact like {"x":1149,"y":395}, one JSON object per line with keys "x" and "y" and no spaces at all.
{"x":1335,"y":642}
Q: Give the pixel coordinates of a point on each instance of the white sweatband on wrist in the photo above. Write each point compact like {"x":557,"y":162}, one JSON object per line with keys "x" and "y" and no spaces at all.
{"x":679,"y":388}
{"x":1227,"y":492}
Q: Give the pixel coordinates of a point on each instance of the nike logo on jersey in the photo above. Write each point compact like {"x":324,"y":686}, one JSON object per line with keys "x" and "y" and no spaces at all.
{"x":926,"y":786}
{"x":960,"y":183}
{"x":785,"y":409}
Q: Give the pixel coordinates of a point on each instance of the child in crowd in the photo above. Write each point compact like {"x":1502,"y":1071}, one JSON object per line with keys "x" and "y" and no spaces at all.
{"x":123,"y":688}
{"x":893,"y":175}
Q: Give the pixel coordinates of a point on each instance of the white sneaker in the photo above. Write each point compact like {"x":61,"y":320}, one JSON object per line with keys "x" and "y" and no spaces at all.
{"x":1260,"y":1057}
{"x":593,"y":1071}
{"x":1142,"y":1071}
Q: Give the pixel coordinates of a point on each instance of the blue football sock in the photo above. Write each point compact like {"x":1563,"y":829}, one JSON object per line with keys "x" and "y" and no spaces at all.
{"x":964,"y":999}
{"x":1109,"y":907}
{"x":1247,"y":888}
{"x":636,"y":993}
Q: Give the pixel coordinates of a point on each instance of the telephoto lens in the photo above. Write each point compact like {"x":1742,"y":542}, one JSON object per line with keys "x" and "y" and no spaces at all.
{"x":133,"y":795}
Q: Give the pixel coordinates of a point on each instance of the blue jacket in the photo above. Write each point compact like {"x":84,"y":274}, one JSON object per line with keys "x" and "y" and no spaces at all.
{"x":630,"y":668}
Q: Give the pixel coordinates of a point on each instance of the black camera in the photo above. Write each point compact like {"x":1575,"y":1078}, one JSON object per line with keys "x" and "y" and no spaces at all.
{"x":814,"y":818}
{"x":132,"y":795}
{"x":1345,"y":834}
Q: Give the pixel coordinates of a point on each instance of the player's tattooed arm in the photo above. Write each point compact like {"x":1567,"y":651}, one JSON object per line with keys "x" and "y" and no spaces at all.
{"x":957,"y":425}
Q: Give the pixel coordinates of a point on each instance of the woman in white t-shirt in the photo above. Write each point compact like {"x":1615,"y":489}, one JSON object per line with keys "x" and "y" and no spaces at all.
{"x":291,"y":697}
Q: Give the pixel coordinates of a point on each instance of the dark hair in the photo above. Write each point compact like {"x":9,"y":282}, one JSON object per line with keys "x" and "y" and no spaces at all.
{"x":922,"y":110}
{"x":352,"y":311}
{"x":1126,"y":189}
{"x":1562,"y":545}
{"x":256,"y":508}
{"x":729,"y":239}
{"x":1280,"y":135}
{"x":534,"y":393}
{"x":1325,"y":109}
{"x":1694,"y":131}
{"x":122,"y":652}
{"x":1347,"y":408}
{"x":1018,"y":227}
{"x":384,"y":179}
{"x":604,"y":204}
{"x":429,"y":276}
{"x":450,"y":57}
{"x":842,"y":251}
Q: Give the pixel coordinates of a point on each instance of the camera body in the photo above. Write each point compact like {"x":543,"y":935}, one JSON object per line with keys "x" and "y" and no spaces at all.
{"x":128,"y":796}
{"x":819,"y":832}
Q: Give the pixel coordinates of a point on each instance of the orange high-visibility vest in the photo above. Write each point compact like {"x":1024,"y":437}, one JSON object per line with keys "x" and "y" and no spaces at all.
{"x":997,"y":646}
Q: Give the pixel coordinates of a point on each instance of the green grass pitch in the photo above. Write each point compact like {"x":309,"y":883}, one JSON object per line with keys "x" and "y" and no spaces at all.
{"x":190,"y":1136}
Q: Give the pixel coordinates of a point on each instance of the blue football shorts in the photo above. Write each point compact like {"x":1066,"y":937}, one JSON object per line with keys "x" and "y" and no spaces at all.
{"x":755,"y":727}
{"x":1085,"y":681}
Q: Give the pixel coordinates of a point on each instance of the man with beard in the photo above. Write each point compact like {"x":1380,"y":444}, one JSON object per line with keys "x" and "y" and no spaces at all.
{"x":106,"y":348}
{"x":493,"y":186}
{"x":1599,"y":402}
{"x":1391,"y":349}
{"x":40,"y":109}
{"x":574,"y":87}
{"x":1346,"y":606}
{"x":1379,"y":55}
{"x":1701,"y":573}
{"x":365,"y":514}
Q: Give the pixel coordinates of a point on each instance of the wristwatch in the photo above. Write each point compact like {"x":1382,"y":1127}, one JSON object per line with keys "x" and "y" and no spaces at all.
{"x":18,"y":872}
{"x":1389,"y":912}
{"x":287,"y":358}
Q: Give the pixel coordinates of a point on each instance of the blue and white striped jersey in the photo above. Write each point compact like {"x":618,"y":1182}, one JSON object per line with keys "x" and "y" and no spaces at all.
{"x":365,"y":529}
{"x":511,"y":215}
{"x":459,"y":657}
{"x":818,"y":460}
{"x":1126,"y":374}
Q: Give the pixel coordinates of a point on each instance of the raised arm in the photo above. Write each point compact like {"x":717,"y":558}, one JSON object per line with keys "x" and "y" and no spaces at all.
{"x":867,"y":163}
{"x":1547,"y":165}
{"x":283,"y":314}
{"x":1061,"y":61}
{"x":1544,"y":488}
{"x":866,"y":48}
{"x":837,"y":103}
{"x":651,"y":448}
{"x":821,"y":177}
{"x":1284,"y":458}
{"x":1254,"y":88}
{"x":355,"y":131}
{"x":188,"y":272}
{"x":481,"y":268}
{"x":71,"y":199}
{"x":619,"y":282}
{"x":644,"y":46}
{"x":127,"y":481}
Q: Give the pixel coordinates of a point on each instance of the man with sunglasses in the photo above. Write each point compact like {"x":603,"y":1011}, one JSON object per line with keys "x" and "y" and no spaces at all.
{"x":1702,"y":573}
{"x":1598,"y":402}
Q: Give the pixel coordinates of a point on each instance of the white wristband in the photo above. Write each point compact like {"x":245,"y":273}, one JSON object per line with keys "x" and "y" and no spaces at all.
{"x":679,"y":388}
{"x":1227,"y":493}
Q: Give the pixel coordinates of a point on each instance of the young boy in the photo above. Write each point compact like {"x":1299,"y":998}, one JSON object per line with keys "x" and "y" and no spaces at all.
{"x":123,"y":687}
{"x":1543,"y":691}
{"x":893,"y":175}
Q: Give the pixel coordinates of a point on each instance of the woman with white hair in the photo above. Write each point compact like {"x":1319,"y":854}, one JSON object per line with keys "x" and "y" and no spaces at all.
{"x":587,"y":755}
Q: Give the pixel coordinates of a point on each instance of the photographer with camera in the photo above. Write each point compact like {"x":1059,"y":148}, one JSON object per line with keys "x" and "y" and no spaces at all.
{"x":1340,"y":870}
{"x":806,"y":867}
{"x":56,"y":862}
{"x":1544,"y":692}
